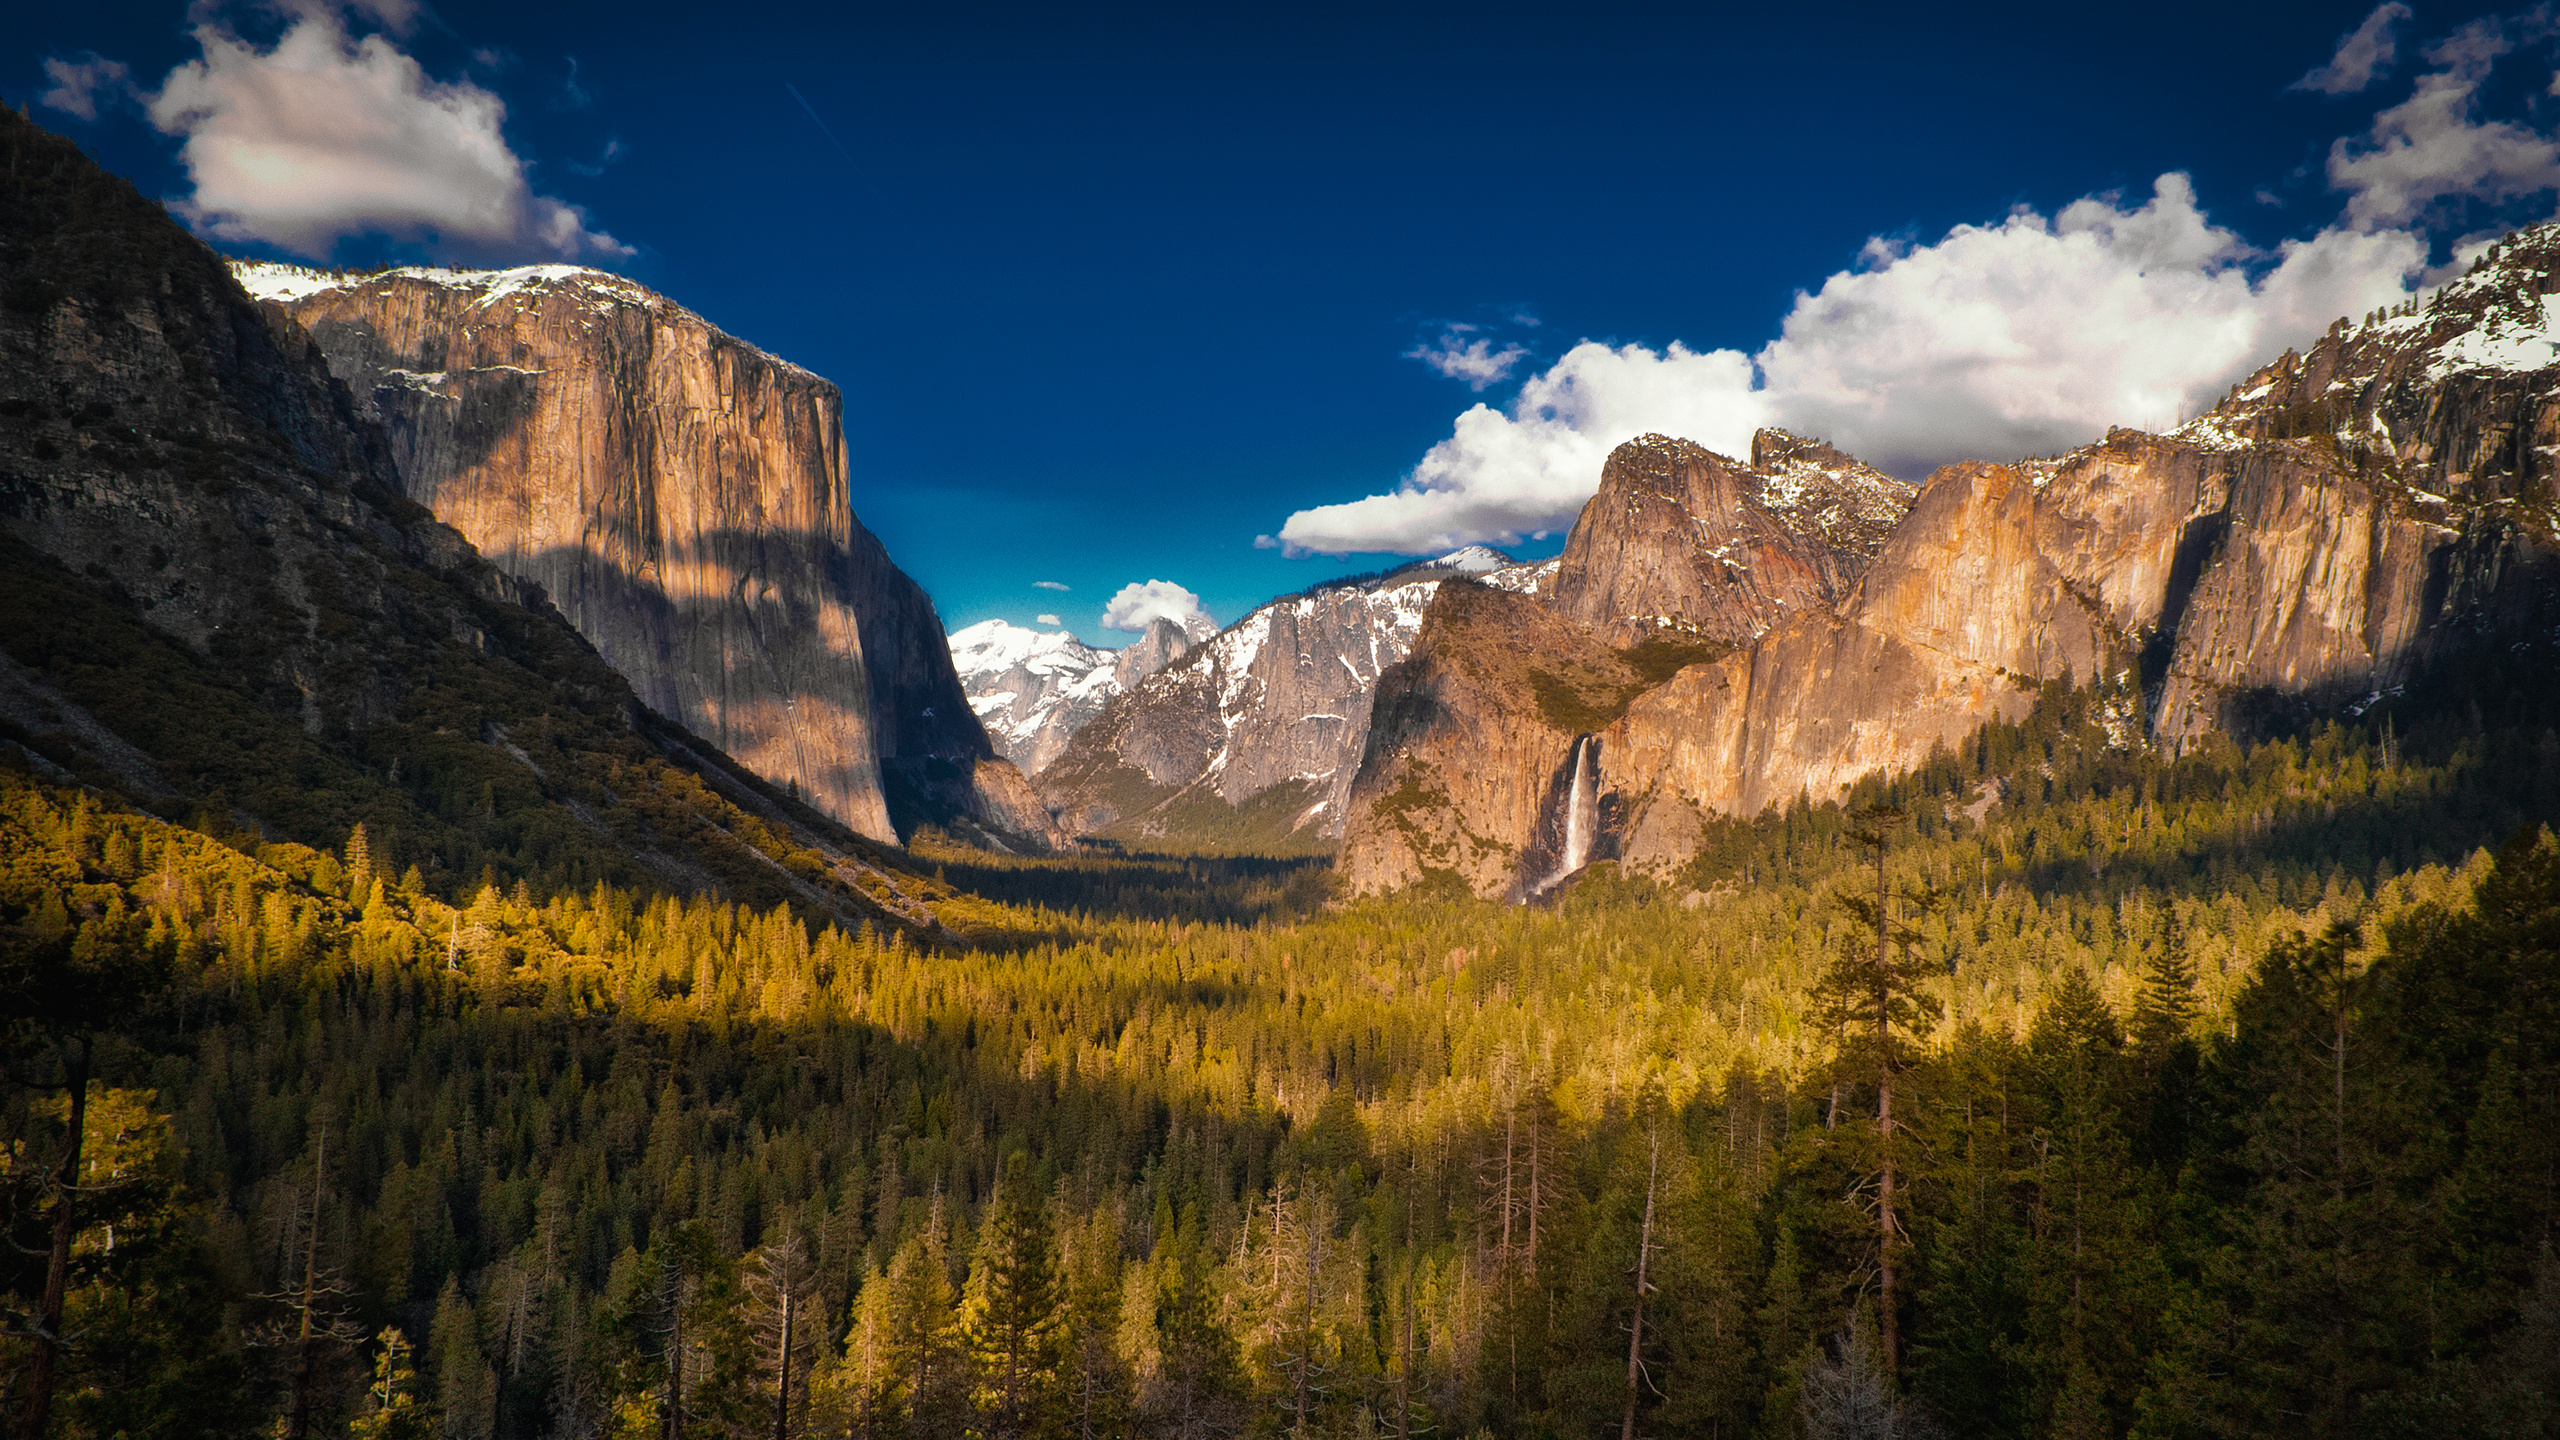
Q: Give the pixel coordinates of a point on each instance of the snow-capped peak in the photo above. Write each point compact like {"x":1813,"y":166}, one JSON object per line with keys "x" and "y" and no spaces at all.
{"x":1472,"y":560}
{"x":992,"y":647}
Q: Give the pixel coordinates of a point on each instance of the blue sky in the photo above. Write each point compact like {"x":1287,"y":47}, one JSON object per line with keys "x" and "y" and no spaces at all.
{"x":1113,"y":293}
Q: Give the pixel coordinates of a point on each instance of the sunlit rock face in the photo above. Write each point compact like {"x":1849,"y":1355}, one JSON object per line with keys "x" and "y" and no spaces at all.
{"x":2343,"y":519}
{"x":683,"y":498}
{"x":1680,"y":542}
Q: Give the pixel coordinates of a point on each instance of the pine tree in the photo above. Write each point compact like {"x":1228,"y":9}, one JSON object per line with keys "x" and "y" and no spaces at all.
{"x":1873,"y":997}
{"x":392,"y":1411}
{"x":925,"y":1343}
{"x":1013,"y":1312}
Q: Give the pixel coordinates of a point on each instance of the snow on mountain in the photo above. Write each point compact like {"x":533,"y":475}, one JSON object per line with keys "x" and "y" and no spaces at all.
{"x":1277,"y":705}
{"x":1032,"y":689}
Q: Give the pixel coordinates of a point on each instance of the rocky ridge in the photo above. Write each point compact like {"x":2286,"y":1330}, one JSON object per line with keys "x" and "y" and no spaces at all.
{"x":1255,"y":734}
{"x":683,"y":497}
{"x":1680,"y":542}
{"x":216,"y":602}
{"x":1034,"y":689}
{"x":2344,"y":518}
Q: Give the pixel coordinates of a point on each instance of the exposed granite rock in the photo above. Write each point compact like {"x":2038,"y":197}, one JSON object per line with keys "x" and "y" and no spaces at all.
{"x":1461,"y":778}
{"x":179,"y":470}
{"x":682,"y":496}
{"x":1682,"y":542}
{"x":1162,"y":644}
{"x":2346,"y":517}
{"x":1270,"y":717}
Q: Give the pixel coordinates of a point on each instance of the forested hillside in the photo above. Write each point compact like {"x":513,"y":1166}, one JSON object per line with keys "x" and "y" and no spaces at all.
{"x":2221,"y":1098}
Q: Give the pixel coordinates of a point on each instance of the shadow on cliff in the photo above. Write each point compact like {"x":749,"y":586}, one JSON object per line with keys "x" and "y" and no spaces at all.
{"x":2485,"y":713}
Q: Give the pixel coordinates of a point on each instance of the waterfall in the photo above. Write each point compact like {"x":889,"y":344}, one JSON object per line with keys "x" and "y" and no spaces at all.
{"x":1581,"y":812}
{"x":1582,"y":806}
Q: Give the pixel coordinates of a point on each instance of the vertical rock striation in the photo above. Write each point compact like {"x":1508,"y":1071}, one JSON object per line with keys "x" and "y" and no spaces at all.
{"x":682,"y":496}
{"x":2344,"y":519}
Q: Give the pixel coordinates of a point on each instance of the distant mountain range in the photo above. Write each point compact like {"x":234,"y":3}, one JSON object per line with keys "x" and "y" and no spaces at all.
{"x":1250,"y":740}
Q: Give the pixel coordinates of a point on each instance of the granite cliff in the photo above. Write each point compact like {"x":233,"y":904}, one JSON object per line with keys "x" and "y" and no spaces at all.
{"x":217,"y":604}
{"x":683,"y":499}
{"x":1680,"y":542}
{"x":2346,"y":518}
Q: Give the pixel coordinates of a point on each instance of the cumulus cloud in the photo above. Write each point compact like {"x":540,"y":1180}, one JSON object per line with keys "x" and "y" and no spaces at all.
{"x":1505,"y":475}
{"x":1048,"y":585}
{"x":2034,"y":335}
{"x":2024,"y":337}
{"x":1049,"y":620}
{"x":2434,"y":147}
{"x":326,"y":135}
{"x":1138,"y":603}
{"x":2363,"y":53}
{"x":79,"y":85}
{"x":1462,"y":354}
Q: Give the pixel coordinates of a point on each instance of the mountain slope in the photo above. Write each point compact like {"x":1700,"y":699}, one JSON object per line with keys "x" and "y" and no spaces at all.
{"x":218,"y":605}
{"x":1681,"y":542}
{"x":2344,"y":520}
{"x":1253,"y":737}
{"x":684,"y":498}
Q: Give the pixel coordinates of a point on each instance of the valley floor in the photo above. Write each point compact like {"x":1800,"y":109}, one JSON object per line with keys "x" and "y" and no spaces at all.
{"x":2207,"y":1075}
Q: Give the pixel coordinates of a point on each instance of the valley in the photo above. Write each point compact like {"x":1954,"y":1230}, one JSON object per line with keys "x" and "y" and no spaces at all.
{"x":516,"y":919}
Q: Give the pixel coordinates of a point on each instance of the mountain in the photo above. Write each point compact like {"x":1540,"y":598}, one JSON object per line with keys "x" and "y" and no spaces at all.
{"x":1253,"y":736}
{"x":1679,"y":542}
{"x":1032,"y":688}
{"x":683,"y":497}
{"x":2344,"y":521}
{"x":217,"y":604}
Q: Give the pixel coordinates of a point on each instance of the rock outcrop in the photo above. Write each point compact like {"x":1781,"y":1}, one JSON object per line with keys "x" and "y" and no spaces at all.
{"x":2344,"y":519}
{"x":683,"y":498}
{"x":1162,"y":643}
{"x":218,"y":602}
{"x":1680,"y":542}
{"x":1253,"y":737}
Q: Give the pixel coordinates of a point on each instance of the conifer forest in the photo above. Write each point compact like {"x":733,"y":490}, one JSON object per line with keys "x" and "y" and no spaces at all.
{"x":2208,"y":1095}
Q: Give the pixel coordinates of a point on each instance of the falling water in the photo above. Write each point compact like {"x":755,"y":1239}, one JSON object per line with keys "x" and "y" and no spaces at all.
{"x":1581,"y":811}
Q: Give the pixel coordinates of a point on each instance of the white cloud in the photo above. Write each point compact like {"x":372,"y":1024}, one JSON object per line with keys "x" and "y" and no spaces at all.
{"x":2362,"y":54}
{"x":1049,"y":620}
{"x":2024,"y":337}
{"x":2034,"y":335}
{"x":1502,"y":476}
{"x":1048,"y":585}
{"x":1138,"y":603}
{"x":78,"y":85}
{"x":2432,"y":146}
{"x":326,"y":136}
{"x":1473,"y":360}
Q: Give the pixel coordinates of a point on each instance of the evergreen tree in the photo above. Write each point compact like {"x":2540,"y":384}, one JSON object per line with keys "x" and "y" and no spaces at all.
{"x":1013,"y":1314}
{"x":1874,"y":998}
{"x":925,"y":1346}
{"x":392,"y":1411}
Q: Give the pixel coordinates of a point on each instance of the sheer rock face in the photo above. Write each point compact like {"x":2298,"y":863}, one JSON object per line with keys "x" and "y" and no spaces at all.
{"x":682,"y":497}
{"x":2344,"y":518}
{"x":1163,"y":643}
{"x":1460,"y":776}
{"x":1682,"y":542}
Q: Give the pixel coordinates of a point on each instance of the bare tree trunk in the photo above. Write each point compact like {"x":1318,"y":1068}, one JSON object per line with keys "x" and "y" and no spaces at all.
{"x":782,"y":1374}
{"x":1635,"y":1332}
{"x":57,"y":1270}
{"x":298,"y":1421}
